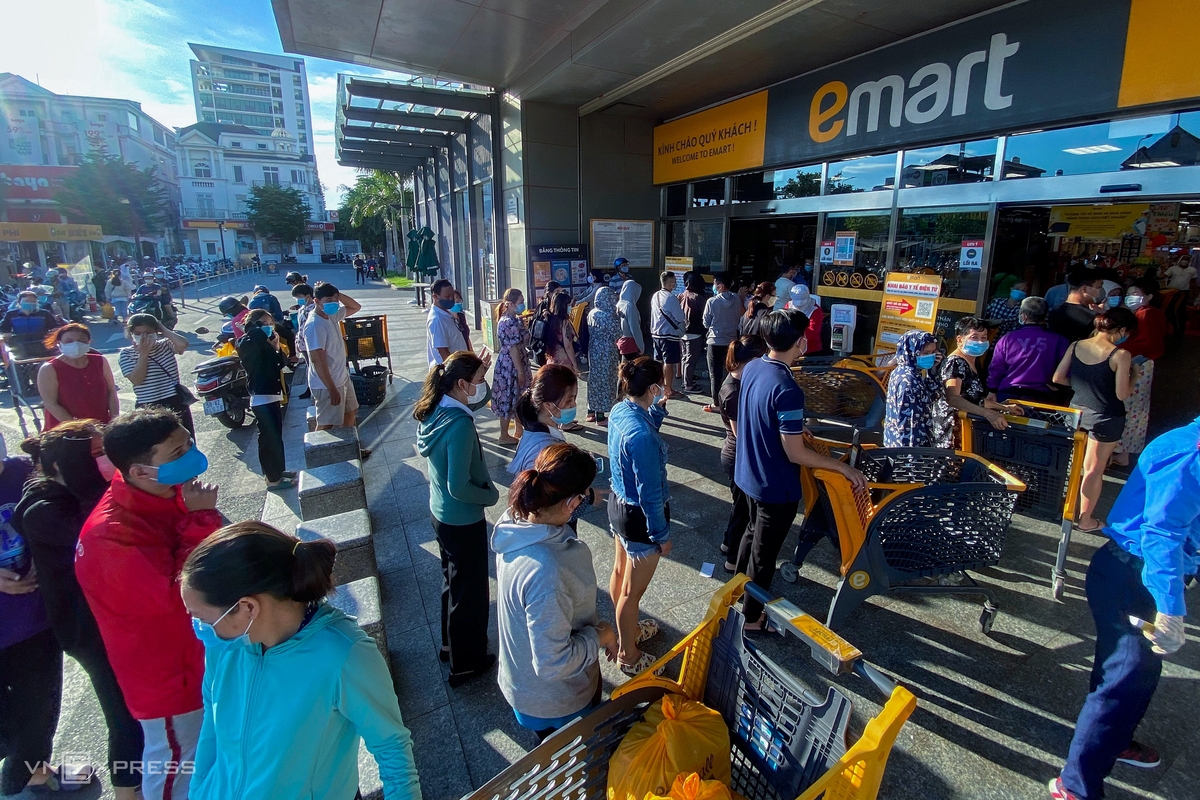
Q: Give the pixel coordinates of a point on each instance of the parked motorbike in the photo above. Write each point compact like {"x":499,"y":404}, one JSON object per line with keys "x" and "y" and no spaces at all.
{"x":221,"y":383}
{"x":149,"y":304}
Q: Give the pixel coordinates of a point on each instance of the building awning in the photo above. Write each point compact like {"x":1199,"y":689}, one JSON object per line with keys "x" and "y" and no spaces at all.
{"x":49,"y":232}
{"x":399,"y":126}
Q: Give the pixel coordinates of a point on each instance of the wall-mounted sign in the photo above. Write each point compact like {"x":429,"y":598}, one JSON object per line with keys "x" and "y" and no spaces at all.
{"x":567,"y":264}
{"x":48,"y":232}
{"x":1005,"y":70}
{"x":843,"y":247}
{"x":909,"y":304}
{"x":623,"y":238}
{"x":727,"y":138}
{"x":970,"y":256}
{"x":1114,"y":221}
{"x":512,"y":211}
{"x":826,"y":255}
{"x":679,"y":266}
{"x":21,"y":182}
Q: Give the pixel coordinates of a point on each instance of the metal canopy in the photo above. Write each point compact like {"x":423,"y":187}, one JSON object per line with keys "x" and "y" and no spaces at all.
{"x":350,"y":133}
{"x":454,"y":100}
{"x":389,"y":150}
{"x":351,"y":158}
{"x":406,"y":119}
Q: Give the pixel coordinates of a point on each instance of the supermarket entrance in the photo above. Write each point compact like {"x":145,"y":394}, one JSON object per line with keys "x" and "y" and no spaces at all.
{"x":759,"y":249}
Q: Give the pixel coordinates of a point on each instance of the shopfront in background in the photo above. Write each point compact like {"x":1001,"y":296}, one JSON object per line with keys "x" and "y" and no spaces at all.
{"x":1014,"y":143}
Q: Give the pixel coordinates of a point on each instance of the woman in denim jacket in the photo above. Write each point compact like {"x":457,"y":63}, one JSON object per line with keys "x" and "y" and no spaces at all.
{"x":639,"y":513}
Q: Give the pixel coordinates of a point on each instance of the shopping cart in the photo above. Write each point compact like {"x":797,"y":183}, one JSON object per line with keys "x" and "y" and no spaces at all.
{"x":927,"y":514}
{"x":785,"y":740}
{"x":1044,"y":449}
{"x":367,"y":340}
{"x":21,"y":371}
{"x":841,"y":399}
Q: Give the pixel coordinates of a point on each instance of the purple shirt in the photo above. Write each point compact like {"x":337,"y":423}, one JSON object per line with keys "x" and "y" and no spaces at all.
{"x":21,"y":615}
{"x":1026,"y":359}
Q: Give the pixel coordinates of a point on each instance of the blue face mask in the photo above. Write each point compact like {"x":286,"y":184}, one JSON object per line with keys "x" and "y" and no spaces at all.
{"x":520,"y":308}
{"x":445,"y":303}
{"x":269,"y":330}
{"x":566,"y":416}
{"x":183,"y":469}
{"x":330,"y":308}
{"x":1122,"y":339}
{"x":208,"y":636}
{"x":926,"y":361}
{"x":28,"y":306}
{"x":1114,"y":301}
{"x":974,"y":348}
{"x":456,"y":308}
{"x":1017,"y":294}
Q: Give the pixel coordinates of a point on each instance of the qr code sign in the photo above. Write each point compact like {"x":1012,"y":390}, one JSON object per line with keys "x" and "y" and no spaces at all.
{"x":924,"y":309}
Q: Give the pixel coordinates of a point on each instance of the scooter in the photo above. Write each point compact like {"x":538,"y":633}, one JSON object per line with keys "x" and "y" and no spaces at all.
{"x":221,"y":383}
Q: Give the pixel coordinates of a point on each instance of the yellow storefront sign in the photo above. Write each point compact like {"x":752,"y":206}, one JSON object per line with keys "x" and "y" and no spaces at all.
{"x":1100,"y":222}
{"x":728,"y":138}
{"x":48,"y":232}
{"x":910,"y":303}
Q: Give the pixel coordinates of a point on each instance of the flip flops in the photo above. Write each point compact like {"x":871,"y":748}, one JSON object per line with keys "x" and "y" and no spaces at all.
{"x":641,"y":666}
{"x":647,"y":630}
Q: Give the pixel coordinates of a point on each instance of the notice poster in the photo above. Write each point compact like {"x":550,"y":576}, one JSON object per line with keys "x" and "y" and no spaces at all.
{"x":623,"y":238}
{"x":971,"y":254}
{"x":679,"y":266}
{"x":579,"y":272}
{"x":843,"y":248}
{"x":1100,"y":222}
{"x":827,"y":252}
{"x":561,"y":270}
{"x":541,"y":273}
{"x":567,"y":264}
{"x":909,"y":304}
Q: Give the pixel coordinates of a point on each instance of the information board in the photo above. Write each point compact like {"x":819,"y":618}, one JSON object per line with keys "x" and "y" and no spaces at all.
{"x":679,"y":266}
{"x":843,"y":248}
{"x":909,"y":304}
{"x":632,"y":239}
{"x":565,"y":263}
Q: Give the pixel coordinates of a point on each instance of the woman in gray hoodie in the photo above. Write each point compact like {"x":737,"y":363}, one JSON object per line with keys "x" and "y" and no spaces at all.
{"x":550,"y":635}
{"x":631,"y":318}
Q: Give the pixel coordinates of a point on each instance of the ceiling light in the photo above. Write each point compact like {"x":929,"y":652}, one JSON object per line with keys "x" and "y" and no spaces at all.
{"x":1095,"y":148}
{"x":1145,"y":164}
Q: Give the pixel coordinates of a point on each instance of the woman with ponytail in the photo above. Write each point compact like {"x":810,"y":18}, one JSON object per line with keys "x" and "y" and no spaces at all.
{"x":72,"y":474}
{"x":291,"y":684}
{"x":460,"y":489}
{"x":550,"y":633}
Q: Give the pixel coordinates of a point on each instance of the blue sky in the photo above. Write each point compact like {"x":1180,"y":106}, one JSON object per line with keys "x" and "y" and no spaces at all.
{"x":137,"y":49}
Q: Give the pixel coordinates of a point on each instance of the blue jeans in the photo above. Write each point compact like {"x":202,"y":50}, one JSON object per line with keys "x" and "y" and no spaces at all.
{"x":1124,"y":677}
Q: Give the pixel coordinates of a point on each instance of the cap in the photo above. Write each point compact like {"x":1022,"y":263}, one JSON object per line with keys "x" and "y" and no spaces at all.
{"x":260,"y":288}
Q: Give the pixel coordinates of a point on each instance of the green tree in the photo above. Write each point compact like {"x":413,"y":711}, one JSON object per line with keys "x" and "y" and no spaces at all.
{"x":276,"y":212}
{"x":370,"y":206}
{"x":121,"y":198}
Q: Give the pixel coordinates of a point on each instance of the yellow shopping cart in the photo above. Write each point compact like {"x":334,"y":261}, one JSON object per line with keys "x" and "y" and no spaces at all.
{"x":786,"y":741}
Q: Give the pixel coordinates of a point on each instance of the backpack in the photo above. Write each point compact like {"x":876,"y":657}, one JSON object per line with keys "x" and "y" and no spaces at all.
{"x":539,"y":330}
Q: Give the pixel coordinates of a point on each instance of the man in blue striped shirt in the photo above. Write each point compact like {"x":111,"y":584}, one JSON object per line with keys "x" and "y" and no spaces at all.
{"x":1135,"y":587}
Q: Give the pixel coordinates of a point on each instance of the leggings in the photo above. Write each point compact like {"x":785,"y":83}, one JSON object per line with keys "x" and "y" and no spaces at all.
{"x":31,"y":673}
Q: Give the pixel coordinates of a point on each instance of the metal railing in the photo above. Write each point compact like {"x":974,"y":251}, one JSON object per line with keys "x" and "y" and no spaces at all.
{"x":224,"y":273}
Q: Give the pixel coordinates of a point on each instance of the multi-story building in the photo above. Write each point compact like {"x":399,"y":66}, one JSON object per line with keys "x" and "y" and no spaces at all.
{"x":46,"y":135}
{"x":219,"y":164}
{"x":258,"y":90}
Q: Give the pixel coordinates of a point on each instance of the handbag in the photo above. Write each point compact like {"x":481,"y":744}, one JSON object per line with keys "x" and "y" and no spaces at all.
{"x":182,"y":393}
{"x":627,"y":346}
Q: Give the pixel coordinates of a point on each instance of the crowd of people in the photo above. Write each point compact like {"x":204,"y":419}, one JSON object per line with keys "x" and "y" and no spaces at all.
{"x":211,"y":651}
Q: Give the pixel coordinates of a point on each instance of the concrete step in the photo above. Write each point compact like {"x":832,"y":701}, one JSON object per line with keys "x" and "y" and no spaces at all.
{"x":322,"y":448}
{"x":360,"y":599}
{"x":332,"y":489}
{"x":350,"y":531}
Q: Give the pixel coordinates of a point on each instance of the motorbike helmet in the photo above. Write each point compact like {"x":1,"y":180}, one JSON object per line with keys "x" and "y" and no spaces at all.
{"x":261,"y":288}
{"x":229,"y":306}
{"x":291,"y":280}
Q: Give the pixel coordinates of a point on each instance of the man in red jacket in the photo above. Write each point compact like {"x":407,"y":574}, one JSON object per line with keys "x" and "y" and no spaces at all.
{"x":128,"y":559}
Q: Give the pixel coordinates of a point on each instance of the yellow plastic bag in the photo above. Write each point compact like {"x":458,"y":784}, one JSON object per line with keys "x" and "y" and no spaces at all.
{"x":107,"y":311}
{"x":691,"y":787}
{"x":677,"y":737}
{"x":225,"y":349}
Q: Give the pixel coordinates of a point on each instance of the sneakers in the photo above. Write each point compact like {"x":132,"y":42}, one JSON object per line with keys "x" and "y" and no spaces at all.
{"x":1138,"y":755}
{"x":1059,"y":792}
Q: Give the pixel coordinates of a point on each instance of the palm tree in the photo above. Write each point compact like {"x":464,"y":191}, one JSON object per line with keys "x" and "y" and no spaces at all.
{"x":375,"y":203}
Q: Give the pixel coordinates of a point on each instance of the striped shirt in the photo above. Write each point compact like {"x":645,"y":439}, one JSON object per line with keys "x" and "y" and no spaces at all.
{"x":162,"y":371}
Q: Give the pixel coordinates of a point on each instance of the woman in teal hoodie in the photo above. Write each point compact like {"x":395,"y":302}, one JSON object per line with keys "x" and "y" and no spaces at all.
{"x":459,"y":491}
{"x":290,"y":683}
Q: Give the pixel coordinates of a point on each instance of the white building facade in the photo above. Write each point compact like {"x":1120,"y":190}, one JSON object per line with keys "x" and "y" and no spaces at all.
{"x":219,"y":164}
{"x":46,"y":135}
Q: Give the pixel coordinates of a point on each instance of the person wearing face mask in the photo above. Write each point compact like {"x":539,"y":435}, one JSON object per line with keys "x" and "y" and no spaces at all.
{"x":152,"y":366}
{"x":460,"y":319}
{"x":1025,"y":359}
{"x":1074,"y":319}
{"x":264,"y":361}
{"x":1146,"y":345}
{"x":77,"y":383}
{"x":460,"y":490}
{"x":1006,"y":311}
{"x":302,"y":293}
{"x":292,"y":685}
{"x":639,"y":508}
{"x":329,"y":376}
{"x":544,"y":409}
{"x":913,"y":392}
{"x":443,"y":334}
{"x":512,"y":364}
{"x":604,"y":329}
{"x":550,"y":633}
{"x":25,"y":327}
{"x":130,"y":551}
{"x":1102,"y":376}
{"x":757,"y":308}
{"x":70,"y":479}
{"x":770,"y":445}
{"x":963,"y":389}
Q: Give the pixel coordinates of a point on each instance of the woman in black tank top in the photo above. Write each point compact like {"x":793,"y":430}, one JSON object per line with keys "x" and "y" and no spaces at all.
{"x":1102,"y":376}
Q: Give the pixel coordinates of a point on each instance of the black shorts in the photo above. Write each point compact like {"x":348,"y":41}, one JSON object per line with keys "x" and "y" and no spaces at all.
{"x":668,"y":351}
{"x":629,"y":522}
{"x":1103,"y":428}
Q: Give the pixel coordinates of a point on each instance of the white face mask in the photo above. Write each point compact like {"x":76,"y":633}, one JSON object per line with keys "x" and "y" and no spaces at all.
{"x":477,"y":393}
{"x":73,"y":349}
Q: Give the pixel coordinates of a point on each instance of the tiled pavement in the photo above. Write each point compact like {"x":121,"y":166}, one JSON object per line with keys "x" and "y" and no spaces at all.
{"x":995,"y":713}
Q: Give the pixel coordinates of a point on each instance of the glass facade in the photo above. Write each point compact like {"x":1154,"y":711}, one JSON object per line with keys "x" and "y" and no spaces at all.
{"x":1165,"y":140}
{"x":946,"y":165}
{"x":930,"y":241}
{"x":866,"y":174}
{"x":706,"y":245}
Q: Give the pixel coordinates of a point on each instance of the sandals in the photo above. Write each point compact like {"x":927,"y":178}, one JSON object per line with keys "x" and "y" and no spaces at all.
{"x":66,"y":778}
{"x":647,"y":630}
{"x":1096,"y":529}
{"x":572,"y":428}
{"x":591,"y":417}
{"x":283,"y":483}
{"x":643,"y":664}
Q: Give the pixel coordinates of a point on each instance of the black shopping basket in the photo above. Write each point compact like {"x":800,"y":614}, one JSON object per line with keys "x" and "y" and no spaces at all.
{"x":1044,"y":448}
{"x":367,"y":340}
{"x":928,"y":513}
{"x":786,"y":742}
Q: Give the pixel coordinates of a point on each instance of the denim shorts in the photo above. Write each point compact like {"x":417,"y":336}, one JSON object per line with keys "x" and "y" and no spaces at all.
{"x":668,"y":351}
{"x":628,"y":523}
